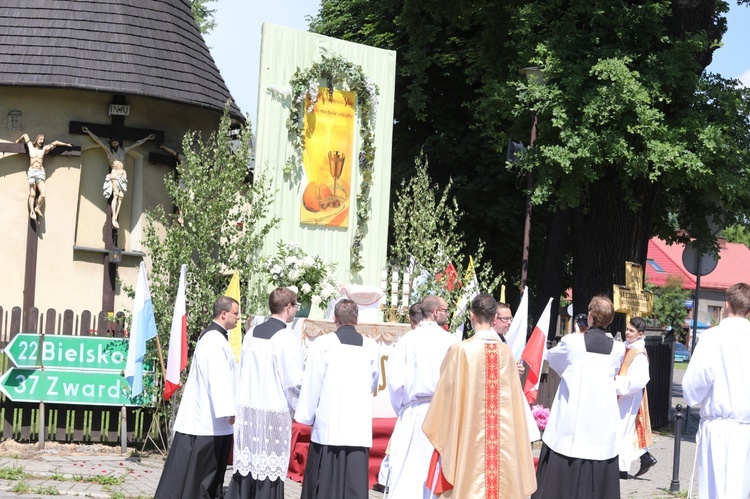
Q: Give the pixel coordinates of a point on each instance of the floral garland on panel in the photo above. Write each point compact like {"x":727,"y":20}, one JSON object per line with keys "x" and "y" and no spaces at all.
{"x":337,"y":70}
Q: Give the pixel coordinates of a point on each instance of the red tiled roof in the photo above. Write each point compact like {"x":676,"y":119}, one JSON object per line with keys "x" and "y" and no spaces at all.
{"x":733,"y":266}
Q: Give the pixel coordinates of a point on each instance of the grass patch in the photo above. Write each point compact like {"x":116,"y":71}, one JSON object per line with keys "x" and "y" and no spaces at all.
{"x":681,"y":366}
{"x":11,"y":473}
{"x":20,"y":488}
{"x":100,"y":479}
{"x":49,"y":490}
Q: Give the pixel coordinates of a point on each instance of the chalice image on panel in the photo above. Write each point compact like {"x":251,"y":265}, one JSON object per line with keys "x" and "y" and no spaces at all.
{"x":336,"y":167}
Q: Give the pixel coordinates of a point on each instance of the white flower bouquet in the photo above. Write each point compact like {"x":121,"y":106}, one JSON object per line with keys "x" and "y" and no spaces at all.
{"x":306,"y":275}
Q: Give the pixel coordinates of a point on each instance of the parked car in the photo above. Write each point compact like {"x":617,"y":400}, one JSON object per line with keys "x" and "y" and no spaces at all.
{"x":681,"y":353}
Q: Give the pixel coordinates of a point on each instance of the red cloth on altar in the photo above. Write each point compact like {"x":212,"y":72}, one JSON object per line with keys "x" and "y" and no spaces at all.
{"x":381,"y":434}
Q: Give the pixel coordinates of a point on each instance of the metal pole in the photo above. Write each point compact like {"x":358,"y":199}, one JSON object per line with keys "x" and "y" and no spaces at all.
{"x":527,"y":221}
{"x":123,"y":430}
{"x":695,"y":309}
{"x":42,"y":426}
{"x":675,"y":485}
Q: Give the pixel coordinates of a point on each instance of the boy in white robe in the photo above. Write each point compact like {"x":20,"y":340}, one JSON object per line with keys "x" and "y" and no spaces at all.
{"x":581,"y":442}
{"x":340,"y":377}
{"x":716,"y":379}
{"x":631,"y":389}
{"x":202,"y":441}
{"x":270,"y":378}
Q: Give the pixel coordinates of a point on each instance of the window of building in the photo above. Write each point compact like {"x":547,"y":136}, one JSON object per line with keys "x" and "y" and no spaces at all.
{"x":714,"y":314}
{"x":656,"y":266}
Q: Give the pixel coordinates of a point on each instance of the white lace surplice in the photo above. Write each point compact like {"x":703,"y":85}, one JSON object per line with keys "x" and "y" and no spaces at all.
{"x":262,"y":443}
{"x":270,"y":378}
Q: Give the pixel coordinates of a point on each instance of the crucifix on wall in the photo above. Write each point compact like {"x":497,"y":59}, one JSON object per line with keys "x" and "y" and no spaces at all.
{"x":37,"y":177}
{"x":115,"y":180}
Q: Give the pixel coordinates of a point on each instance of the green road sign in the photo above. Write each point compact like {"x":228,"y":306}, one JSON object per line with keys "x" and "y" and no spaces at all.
{"x":69,"y":387}
{"x":71,"y":352}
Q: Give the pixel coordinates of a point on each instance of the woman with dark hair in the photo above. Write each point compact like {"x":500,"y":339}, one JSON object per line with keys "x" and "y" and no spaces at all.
{"x":581,"y":442}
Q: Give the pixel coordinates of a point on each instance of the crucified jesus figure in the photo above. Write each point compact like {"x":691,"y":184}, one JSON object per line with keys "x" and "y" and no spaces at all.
{"x":36,"y":173}
{"x":116,"y":182}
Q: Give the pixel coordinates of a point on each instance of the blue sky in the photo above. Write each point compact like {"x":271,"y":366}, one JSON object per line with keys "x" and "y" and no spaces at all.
{"x":235,"y":42}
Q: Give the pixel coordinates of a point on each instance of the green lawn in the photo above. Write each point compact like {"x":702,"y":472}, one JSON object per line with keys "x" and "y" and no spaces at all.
{"x":681,"y":365}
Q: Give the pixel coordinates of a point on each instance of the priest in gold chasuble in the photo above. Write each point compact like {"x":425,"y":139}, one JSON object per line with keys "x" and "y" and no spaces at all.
{"x":477,"y":420}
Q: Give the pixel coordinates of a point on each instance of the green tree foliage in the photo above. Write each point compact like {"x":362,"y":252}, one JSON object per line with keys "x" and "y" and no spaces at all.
{"x":669,"y":305}
{"x":633,"y":136}
{"x":428,"y":236}
{"x":204,"y":17}
{"x":214,"y":231}
{"x":441,"y":48}
{"x":737,"y":234}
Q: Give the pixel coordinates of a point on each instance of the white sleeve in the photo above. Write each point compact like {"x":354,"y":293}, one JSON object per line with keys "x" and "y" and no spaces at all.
{"x":219,"y":373}
{"x":290,"y":367}
{"x":558,"y":357}
{"x":699,"y":376}
{"x":312,"y":382}
{"x":636,"y":379}
{"x":375,"y":366}
{"x":396,"y":375}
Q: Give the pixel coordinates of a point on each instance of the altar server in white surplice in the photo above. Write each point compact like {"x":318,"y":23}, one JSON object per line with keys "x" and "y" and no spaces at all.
{"x":340,"y":377}
{"x":270,"y":378}
{"x":202,"y":441}
{"x":716,"y":379}
{"x":581,"y":442}
{"x":413,"y":373}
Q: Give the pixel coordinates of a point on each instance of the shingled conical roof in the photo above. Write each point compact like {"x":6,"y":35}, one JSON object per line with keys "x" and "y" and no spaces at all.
{"x":151,"y":48}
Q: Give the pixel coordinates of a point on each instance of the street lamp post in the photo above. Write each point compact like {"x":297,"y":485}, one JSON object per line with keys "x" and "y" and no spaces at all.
{"x":533,"y":75}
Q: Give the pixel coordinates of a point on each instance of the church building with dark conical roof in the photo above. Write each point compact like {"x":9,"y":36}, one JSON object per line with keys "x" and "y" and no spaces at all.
{"x":121,"y":70}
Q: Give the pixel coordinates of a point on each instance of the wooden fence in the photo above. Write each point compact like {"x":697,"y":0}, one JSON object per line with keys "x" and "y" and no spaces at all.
{"x":66,"y":422}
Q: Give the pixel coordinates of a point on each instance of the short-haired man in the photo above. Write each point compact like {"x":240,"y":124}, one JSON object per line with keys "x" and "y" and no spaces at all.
{"x":716,"y":378}
{"x":477,"y":420}
{"x":502,"y":320}
{"x":336,"y":400}
{"x":631,"y":381}
{"x":435,"y":309}
{"x":202,"y":441}
{"x":413,"y":374}
{"x":270,"y":377}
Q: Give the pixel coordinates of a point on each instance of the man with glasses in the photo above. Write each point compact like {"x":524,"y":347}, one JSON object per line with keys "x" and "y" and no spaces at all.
{"x":202,"y":441}
{"x":502,"y":320}
{"x":271,"y":369}
{"x":501,"y":324}
{"x":413,"y":373}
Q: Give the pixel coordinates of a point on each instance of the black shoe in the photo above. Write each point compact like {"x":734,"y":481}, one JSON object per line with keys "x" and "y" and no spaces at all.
{"x":647,"y":461}
{"x":623,"y":475}
{"x":378,"y":488}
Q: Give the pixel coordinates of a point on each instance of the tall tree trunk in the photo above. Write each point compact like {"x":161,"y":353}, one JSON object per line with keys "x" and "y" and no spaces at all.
{"x":550,"y":281}
{"x":609,"y":234}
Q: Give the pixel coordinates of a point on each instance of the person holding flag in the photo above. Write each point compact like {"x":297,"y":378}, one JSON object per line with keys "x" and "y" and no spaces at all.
{"x":581,"y":441}
{"x":198,"y":456}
